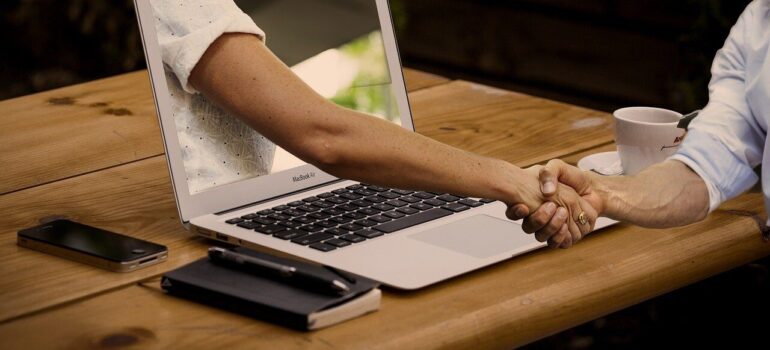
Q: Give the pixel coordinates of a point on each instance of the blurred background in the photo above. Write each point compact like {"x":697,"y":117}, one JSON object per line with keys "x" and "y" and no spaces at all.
{"x":596,"y":53}
{"x":601,"y":54}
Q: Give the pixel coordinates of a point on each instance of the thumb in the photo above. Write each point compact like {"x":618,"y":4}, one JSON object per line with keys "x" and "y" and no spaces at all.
{"x":517,"y":212}
{"x":558,"y":171}
{"x":549,"y":176}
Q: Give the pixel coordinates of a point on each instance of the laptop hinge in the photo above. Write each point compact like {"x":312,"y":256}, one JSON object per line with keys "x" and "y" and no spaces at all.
{"x":279,"y":197}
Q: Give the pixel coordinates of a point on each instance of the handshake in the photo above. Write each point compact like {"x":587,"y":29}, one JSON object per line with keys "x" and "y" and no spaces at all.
{"x":570,"y":205}
{"x":666,"y":194}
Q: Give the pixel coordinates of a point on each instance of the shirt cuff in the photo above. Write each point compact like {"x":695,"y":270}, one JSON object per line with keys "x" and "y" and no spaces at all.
{"x":194,"y":45}
{"x":715,"y":198}
{"x":725,"y":175}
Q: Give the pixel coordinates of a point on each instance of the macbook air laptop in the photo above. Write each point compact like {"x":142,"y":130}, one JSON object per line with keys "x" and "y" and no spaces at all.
{"x":346,"y":50}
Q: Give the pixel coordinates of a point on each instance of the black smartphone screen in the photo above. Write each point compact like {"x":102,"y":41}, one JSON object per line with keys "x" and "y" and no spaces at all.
{"x":91,"y":240}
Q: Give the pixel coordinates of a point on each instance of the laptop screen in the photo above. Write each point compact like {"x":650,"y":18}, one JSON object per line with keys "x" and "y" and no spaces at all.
{"x":336,"y":47}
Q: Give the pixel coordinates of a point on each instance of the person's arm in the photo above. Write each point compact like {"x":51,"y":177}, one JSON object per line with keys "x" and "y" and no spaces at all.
{"x":714,"y":163}
{"x":240,"y":74}
{"x":668,"y":194}
{"x":664,"y":195}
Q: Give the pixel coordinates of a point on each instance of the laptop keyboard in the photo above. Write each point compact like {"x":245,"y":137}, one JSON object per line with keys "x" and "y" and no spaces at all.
{"x":353,"y":214}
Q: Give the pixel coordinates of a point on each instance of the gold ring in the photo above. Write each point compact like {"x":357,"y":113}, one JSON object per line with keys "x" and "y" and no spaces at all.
{"x":582,"y":218}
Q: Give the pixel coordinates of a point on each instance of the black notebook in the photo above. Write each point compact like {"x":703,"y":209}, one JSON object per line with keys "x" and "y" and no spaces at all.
{"x":270,"y":299}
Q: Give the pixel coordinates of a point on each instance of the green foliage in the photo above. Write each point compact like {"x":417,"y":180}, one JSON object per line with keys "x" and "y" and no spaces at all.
{"x":370,"y":90}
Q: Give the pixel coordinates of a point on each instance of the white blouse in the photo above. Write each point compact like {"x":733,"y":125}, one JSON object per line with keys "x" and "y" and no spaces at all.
{"x":217,"y":148}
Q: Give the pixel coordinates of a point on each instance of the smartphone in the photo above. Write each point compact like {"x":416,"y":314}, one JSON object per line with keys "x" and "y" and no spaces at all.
{"x":91,"y":245}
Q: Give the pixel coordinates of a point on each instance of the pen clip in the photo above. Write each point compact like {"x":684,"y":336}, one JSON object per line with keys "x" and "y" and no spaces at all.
{"x":346,"y":276}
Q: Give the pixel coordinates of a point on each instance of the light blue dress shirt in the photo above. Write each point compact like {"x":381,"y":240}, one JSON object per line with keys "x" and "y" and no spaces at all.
{"x":729,"y":137}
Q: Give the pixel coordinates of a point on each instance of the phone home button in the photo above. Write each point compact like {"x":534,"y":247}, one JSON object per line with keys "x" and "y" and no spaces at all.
{"x":138,"y":251}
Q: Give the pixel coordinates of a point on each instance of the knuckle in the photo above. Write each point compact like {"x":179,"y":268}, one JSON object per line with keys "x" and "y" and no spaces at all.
{"x":580,"y":234}
{"x":553,"y":242}
{"x":576,"y":237}
{"x":554,"y":163}
{"x":540,"y":219}
{"x":585,"y":229}
{"x":554,"y":225}
{"x":528,"y":226}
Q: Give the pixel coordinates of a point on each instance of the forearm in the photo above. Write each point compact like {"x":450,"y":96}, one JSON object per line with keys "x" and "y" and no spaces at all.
{"x":269,"y":97}
{"x":664,"y":195}
{"x":373,"y":150}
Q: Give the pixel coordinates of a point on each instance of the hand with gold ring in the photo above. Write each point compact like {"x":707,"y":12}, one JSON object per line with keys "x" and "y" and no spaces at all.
{"x":556,"y":224}
{"x":582,"y":218}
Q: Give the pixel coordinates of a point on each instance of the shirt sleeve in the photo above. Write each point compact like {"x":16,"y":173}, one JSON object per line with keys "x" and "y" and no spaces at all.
{"x":725,"y":142}
{"x":185,"y":30}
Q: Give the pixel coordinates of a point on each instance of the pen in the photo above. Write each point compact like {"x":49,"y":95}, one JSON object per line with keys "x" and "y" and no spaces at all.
{"x":275,"y":270}
{"x":686,"y":119}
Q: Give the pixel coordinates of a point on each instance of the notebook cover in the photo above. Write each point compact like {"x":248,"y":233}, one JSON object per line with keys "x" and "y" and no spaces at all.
{"x":255,"y":296}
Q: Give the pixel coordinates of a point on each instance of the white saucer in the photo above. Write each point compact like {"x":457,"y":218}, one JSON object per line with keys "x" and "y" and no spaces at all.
{"x":605,"y":163}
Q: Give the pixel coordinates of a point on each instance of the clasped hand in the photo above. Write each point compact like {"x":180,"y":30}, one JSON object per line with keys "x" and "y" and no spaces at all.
{"x":566,"y":193}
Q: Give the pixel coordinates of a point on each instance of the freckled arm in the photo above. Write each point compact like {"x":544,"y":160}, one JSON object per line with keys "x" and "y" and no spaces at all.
{"x":268,"y":96}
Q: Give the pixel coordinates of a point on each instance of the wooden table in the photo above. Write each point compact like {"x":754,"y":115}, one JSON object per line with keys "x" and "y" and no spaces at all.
{"x":92,"y":153}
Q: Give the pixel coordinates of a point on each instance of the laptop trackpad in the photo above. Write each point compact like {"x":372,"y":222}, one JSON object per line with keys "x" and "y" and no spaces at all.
{"x":480,"y":236}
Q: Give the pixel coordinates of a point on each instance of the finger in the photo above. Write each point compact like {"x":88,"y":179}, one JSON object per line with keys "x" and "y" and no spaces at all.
{"x":583,"y":226}
{"x":548,"y":176}
{"x":570,"y":230}
{"x":577,"y":206}
{"x":561,"y":239}
{"x":558,"y":171}
{"x":556,"y":241}
{"x":591,"y":216}
{"x":517,"y":212}
{"x":573,"y":202}
{"x":544,"y":234}
{"x":555,"y":223}
{"x":539,"y":218}
{"x":573,"y":226}
{"x":568,"y":242}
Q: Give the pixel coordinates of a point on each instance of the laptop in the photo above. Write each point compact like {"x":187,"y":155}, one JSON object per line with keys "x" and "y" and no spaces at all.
{"x":346,"y":51}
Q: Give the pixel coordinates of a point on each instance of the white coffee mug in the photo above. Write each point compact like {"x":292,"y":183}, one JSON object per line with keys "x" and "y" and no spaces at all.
{"x":645,"y":136}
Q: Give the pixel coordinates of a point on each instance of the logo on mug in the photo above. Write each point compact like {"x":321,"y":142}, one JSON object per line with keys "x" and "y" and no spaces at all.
{"x":678,"y":140}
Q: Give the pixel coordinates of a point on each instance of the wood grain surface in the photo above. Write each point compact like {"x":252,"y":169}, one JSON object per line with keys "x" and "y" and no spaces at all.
{"x":508,"y":304}
{"x":134,"y":199}
{"x":518,"y":128}
{"x":69,"y":131}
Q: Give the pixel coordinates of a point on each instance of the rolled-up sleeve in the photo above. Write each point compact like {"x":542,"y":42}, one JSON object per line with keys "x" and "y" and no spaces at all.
{"x":186,"y":29}
{"x":725,"y":142}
